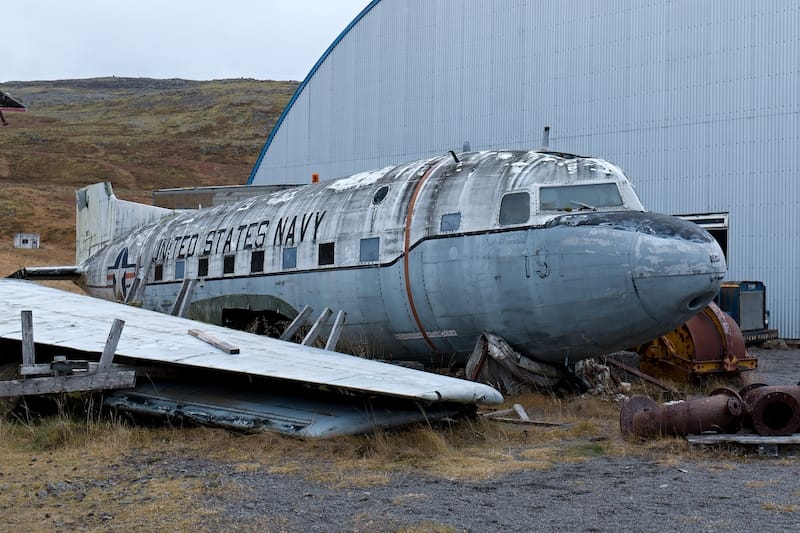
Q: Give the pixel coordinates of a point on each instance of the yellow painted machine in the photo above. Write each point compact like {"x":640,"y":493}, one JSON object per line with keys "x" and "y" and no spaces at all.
{"x":708,"y":343}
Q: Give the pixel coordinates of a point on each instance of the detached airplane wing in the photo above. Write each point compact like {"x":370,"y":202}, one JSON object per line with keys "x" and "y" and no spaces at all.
{"x":7,"y":103}
{"x":77,"y":322}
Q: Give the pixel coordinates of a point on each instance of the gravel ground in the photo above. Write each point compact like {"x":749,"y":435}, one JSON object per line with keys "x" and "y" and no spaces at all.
{"x":601,"y":494}
{"x":632,"y":493}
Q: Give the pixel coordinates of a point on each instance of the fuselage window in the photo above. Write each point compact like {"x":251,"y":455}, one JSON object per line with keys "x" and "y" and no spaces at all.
{"x":515,"y":208}
{"x":326,"y":254}
{"x":290,"y":257}
{"x":576,"y":197}
{"x":450,"y":222}
{"x":229,"y":264}
{"x":180,"y":269}
{"x":202,"y":267}
{"x":380,"y":195}
{"x":370,"y":250}
{"x":257,"y":261}
{"x":158,"y":274}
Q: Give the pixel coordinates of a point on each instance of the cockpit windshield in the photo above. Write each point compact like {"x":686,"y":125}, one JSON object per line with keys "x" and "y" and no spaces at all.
{"x":578,"y":197}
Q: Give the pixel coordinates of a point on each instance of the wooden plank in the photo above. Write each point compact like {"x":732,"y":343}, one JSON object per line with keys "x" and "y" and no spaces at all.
{"x":213,"y":341}
{"x":742,"y":438}
{"x":336,"y":331}
{"x":28,"y":349}
{"x":641,"y":375}
{"x":538,"y":423}
{"x":111,"y":345}
{"x":313,"y":333}
{"x":77,"y":382}
{"x":516,"y":409}
{"x":298,"y":321}
{"x":46,"y":369}
{"x":184,"y":297}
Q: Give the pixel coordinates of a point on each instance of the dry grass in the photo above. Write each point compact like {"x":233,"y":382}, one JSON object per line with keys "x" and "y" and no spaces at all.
{"x":111,"y":472}
{"x":61,"y":472}
{"x":140,"y":135}
{"x":781,"y":507}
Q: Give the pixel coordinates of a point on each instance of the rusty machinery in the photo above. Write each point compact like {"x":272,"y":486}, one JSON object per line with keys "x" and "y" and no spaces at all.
{"x":766,"y":410}
{"x":708,"y":343}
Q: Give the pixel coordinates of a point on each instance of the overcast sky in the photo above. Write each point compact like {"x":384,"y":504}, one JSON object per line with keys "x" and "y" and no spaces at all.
{"x":192,"y":39}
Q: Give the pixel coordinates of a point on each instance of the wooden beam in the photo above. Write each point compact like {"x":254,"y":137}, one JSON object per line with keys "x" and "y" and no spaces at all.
{"x":213,"y":341}
{"x":336,"y":331}
{"x":111,"y":345}
{"x":80,"y":382}
{"x":640,"y":374}
{"x":80,"y":367}
{"x":298,"y":321}
{"x":28,"y":349}
{"x":184,"y":297}
{"x":313,"y":333}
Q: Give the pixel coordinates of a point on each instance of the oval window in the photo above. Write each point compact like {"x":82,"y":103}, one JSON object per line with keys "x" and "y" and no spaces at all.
{"x":380,"y":194}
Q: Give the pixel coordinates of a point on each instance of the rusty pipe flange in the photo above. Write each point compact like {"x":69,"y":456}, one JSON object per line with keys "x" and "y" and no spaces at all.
{"x":735,"y":407}
{"x":633,"y":405}
{"x":773,"y":411}
{"x":751,"y":386}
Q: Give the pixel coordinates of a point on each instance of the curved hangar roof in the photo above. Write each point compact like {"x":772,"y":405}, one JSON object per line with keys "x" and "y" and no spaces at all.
{"x":695,"y":100}
{"x":409,"y":79}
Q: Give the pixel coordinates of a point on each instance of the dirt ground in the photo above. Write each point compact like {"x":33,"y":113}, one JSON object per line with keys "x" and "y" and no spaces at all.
{"x":711,"y":490}
{"x":579,"y":483}
{"x":599,"y":494}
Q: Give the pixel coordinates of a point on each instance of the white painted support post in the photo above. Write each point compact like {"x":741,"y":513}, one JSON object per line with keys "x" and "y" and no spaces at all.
{"x":111,"y":345}
{"x":313,"y":333}
{"x":28,"y":349}
{"x":521,"y":412}
{"x":183,"y":298}
{"x":296,"y":323}
{"x":336,"y":331}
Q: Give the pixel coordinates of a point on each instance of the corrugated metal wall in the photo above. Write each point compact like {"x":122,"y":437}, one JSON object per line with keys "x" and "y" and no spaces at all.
{"x":695,"y":99}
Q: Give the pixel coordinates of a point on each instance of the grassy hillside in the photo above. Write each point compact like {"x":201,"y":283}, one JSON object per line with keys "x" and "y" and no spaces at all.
{"x":140,"y":134}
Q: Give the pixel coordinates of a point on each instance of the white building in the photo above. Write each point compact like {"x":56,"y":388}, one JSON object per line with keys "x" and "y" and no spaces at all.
{"x":695,"y":99}
{"x":26,"y":240}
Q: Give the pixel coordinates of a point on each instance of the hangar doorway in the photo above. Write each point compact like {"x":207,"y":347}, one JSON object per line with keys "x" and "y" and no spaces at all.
{"x":714,"y":223}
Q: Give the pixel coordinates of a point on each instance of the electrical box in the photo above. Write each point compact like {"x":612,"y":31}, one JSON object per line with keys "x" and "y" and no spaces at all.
{"x":746,"y":303}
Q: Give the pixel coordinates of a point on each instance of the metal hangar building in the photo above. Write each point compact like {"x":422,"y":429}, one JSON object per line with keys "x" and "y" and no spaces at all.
{"x":696,"y":100}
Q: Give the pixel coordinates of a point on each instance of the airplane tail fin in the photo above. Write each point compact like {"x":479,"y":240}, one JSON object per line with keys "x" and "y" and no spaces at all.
{"x":101,"y":217}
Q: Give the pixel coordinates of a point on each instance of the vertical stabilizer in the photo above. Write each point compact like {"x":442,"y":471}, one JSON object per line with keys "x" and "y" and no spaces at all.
{"x":101,"y":217}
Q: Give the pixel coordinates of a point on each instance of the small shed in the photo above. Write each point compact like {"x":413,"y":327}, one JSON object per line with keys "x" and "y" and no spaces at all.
{"x":26,"y":240}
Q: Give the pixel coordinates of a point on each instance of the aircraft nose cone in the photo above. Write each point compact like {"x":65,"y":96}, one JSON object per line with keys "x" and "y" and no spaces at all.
{"x":677,"y":269}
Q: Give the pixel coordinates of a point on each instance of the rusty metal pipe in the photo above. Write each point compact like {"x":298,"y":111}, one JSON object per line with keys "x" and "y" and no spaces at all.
{"x":642,"y":417}
{"x":772,"y":410}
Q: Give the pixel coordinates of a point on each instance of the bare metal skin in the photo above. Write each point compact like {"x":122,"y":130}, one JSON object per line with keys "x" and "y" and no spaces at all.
{"x":551,"y":251}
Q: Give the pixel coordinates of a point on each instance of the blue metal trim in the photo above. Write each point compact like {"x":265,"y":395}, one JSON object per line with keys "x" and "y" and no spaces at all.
{"x":302,"y":86}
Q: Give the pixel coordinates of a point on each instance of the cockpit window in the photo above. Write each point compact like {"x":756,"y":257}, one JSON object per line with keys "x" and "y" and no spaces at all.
{"x":515,"y":208}
{"x":577,"y":197}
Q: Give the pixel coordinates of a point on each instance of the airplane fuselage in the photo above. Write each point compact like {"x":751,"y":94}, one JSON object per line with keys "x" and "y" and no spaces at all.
{"x":552,"y":252}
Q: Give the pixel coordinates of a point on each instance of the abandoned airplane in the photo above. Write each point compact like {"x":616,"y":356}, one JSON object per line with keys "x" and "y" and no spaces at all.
{"x":550,"y":251}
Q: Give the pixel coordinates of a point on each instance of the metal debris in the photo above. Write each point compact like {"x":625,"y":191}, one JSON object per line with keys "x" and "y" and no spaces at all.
{"x":721,"y":411}
{"x":766,"y":410}
{"x":494,"y":362}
